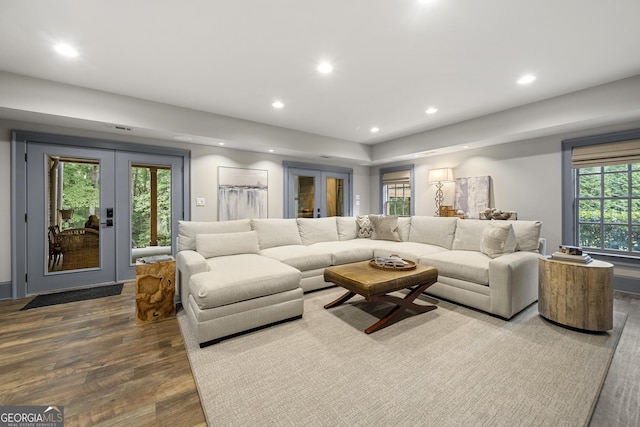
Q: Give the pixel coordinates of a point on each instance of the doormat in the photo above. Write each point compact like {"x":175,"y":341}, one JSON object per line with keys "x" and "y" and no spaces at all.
{"x":75,"y":295}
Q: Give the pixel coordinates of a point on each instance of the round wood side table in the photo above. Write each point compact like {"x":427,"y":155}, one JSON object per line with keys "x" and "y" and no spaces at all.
{"x":576,"y":295}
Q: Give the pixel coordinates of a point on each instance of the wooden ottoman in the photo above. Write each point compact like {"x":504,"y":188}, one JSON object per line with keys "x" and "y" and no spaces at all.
{"x":375,"y":284}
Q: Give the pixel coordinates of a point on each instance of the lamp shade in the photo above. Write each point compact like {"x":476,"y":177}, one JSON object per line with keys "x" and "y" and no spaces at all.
{"x":441,"y":175}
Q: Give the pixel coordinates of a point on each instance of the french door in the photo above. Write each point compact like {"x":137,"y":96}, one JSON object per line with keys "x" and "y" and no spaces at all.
{"x":90,"y":213}
{"x":316,"y":193}
{"x":67,"y":187}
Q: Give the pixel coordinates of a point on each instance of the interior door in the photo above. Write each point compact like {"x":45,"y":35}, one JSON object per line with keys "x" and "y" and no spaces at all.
{"x":70,"y":217}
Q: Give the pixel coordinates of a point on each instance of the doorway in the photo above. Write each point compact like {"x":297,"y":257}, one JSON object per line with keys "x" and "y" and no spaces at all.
{"x":315,"y":191}
{"x":91,"y":208}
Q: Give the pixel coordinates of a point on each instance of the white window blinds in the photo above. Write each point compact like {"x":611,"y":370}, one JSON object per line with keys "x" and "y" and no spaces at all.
{"x":614,"y":153}
{"x":397,"y":177}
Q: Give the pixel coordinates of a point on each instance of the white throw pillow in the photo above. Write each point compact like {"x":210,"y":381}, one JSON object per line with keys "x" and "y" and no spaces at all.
{"x":214,"y":245}
{"x":498,"y":239}
{"x":384,"y":227}
{"x":187,"y":230}
{"x":469,"y":234}
{"x":347,"y":227}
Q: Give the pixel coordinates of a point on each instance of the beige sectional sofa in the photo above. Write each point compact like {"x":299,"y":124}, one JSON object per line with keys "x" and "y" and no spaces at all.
{"x":235,"y":276}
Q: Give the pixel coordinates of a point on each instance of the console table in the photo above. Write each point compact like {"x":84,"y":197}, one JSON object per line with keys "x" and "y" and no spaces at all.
{"x":576,"y":295}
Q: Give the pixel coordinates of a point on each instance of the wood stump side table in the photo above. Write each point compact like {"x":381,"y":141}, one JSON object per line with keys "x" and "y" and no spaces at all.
{"x":155,"y":290}
{"x":576,"y":295}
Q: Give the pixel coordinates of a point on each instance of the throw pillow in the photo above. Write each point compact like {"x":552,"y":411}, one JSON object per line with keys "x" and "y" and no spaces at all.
{"x":384,"y":227}
{"x":214,"y":245}
{"x":364,"y":226}
{"x":498,"y":239}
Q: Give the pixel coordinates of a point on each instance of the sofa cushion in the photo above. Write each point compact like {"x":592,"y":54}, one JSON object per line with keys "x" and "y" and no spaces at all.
{"x":213,"y":245}
{"x":469,"y":234}
{"x":299,"y":256}
{"x":187,"y":230}
{"x":527,"y":234}
{"x":346,"y":251}
{"x":469,"y":266}
{"x":314,"y":230}
{"x":433,"y":230}
{"x":347,"y":227}
{"x":498,"y":239}
{"x":276,"y":232}
{"x":364,"y":226}
{"x":230,"y":281}
{"x":385,"y":227}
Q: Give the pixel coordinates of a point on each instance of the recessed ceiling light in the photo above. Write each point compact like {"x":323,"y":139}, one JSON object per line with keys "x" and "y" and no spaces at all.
{"x":271,"y":150}
{"x":66,"y":50}
{"x":325,"y":68}
{"x":526,"y":79}
{"x":277,"y":104}
{"x":431,"y":110}
{"x":221,"y":143}
{"x":375,"y":129}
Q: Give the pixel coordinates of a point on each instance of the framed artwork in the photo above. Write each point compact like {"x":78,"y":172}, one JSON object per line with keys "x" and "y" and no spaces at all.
{"x":242,"y":193}
{"x":473,"y":195}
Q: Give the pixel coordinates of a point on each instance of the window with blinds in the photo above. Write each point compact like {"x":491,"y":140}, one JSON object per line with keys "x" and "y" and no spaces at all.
{"x":396,"y":192}
{"x":607,"y":189}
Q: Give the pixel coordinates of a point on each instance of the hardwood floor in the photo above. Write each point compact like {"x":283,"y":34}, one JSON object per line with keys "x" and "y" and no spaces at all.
{"x":93,"y":359}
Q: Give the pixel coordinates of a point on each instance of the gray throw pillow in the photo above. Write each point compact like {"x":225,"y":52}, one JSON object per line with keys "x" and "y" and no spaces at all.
{"x":498,"y":239}
{"x":385,"y":227}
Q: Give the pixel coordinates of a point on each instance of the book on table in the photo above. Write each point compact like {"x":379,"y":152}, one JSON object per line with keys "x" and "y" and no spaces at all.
{"x":561,"y":256}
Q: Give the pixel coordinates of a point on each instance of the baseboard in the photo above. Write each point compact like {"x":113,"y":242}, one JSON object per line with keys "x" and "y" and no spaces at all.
{"x":5,"y":290}
{"x":626,"y":284}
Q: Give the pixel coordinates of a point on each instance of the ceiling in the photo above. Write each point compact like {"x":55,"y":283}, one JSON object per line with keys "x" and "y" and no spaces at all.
{"x":392,"y":59}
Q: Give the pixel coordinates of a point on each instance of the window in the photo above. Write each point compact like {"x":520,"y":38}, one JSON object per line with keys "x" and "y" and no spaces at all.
{"x":603,"y":216}
{"x":397,"y":191}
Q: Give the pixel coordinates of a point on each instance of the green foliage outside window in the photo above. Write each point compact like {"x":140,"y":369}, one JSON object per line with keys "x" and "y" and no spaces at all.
{"x":609,"y":207}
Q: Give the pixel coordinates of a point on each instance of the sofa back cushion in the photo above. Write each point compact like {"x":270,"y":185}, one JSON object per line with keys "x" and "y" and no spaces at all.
{"x":469,"y":234}
{"x":214,"y":245}
{"x":187,"y":230}
{"x":276,"y":232}
{"x":347,"y":227}
{"x":437,"y":231}
{"x":316,"y":230}
{"x":385,"y":227}
{"x":498,"y":239}
{"x":527,"y":234}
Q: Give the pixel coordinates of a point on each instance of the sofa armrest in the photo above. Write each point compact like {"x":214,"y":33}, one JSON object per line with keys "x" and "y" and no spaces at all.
{"x":513,"y":282}
{"x":188,"y":263}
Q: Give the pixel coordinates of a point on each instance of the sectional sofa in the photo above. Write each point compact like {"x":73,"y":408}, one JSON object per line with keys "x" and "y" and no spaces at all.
{"x":235,"y":276}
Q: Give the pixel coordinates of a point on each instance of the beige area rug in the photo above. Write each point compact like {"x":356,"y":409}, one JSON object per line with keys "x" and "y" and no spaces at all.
{"x":449,"y":367}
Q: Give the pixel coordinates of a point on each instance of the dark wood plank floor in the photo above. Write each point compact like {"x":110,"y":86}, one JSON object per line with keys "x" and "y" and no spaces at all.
{"x":93,"y":359}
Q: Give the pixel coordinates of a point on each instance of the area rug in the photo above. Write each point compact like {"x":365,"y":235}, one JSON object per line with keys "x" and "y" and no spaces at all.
{"x":75,"y":295}
{"x":453,"y":366}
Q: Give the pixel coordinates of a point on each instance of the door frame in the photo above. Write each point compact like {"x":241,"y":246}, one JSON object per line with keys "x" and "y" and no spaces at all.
{"x":19,"y":141}
{"x":324,"y":171}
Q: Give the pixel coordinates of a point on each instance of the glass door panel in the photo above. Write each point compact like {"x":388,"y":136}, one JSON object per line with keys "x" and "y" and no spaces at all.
{"x":335,"y":196}
{"x":73,"y":229}
{"x":69,"y":234}
{"x":304,"y":197}
{"x":150,"y":210}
